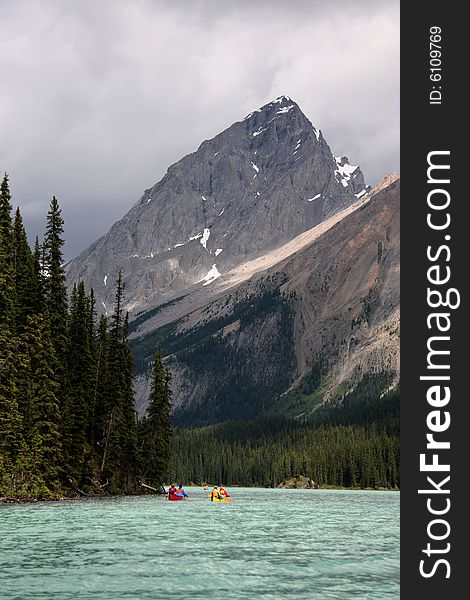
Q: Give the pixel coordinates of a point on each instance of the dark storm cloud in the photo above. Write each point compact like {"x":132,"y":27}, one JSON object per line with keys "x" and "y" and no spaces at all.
{"x":99,"y":98}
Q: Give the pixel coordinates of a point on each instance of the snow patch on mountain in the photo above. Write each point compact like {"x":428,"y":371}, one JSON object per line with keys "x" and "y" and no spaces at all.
{"x":205,"y":237}
{"x":259,"y":131}
{"x":344,"y":170}
{"x":211,"y":276}
{"x":285,"y":109}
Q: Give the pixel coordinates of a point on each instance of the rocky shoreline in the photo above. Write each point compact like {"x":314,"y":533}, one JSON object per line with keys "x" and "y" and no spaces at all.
{"x":294,"y":483}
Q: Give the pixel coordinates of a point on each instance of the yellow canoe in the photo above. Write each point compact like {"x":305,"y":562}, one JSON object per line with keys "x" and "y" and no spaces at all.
{"x":229,"y":499}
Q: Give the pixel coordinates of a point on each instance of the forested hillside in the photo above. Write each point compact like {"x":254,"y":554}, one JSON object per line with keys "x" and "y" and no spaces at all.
{"x":356,"y":447}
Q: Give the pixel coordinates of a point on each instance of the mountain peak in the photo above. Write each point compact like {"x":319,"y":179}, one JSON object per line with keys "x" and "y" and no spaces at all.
{"x":250,"y":189}
{"x":283,"y":112}
{"x":282,"y":105}
{"x":283,"y":102}
{"x":283,"y":99}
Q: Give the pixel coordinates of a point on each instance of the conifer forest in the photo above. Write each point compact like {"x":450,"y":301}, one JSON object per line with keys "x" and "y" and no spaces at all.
{"x":68,"y":423}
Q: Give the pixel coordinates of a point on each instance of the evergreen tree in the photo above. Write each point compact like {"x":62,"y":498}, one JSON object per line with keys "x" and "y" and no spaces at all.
{"x":45,"y":440}
{"x":113,"y":396}
{"x":7,"y":276}
{"x":92,"y":349}
{"x":25,"y":279}
{"x":117,"y":321}
{"x":12,"y":444}
{"x":30,"y":447}
{"x":80,"y":371}
{"x":101,"y":401}
{"x":38,"y":299}
{"x":156,"y":427}
{"x":5,"y":212}
{"x":120,"y":457}
{"x":128,"y":444}
{"x":54,"y":275}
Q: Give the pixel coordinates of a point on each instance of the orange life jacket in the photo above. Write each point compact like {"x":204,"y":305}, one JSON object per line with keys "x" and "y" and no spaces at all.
{"x":215,"y":494}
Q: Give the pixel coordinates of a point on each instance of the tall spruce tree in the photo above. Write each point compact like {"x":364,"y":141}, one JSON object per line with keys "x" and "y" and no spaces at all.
{"x":46,"y":444}
{"x":155,"y":430}
{"x":25,"y":277}
{"x":80,"y":370}
{"x":31,"y":379}
{"x":128,"y":442}
{"x":120,"y":457}
{"x":38,"y":299}
{"x":8,"y":302}
{"x":12,"y":444}
{"x":101,"y":401}
{"x":54,"y":275}
{"x":109,"y":462}
{"x":5,"y":211}
{"x":92,"y":349}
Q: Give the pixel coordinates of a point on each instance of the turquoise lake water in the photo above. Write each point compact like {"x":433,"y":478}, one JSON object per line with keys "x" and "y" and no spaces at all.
{"x":265,"y":544}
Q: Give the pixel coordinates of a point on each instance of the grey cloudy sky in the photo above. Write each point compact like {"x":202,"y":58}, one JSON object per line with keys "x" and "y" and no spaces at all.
{"x":99,"y":98}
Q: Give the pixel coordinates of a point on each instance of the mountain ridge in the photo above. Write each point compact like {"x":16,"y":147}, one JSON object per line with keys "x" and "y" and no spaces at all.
{"x":249,"y":189}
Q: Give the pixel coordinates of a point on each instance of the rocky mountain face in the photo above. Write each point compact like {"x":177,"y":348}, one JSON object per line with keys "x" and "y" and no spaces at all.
{"x":265,"y":268}
{"x":247,"y":191}
{"x":320,"y":325}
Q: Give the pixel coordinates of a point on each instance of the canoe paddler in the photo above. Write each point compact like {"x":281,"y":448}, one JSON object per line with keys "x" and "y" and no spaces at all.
{"x":180,"y":491}
{"x":215,"y":494}
{"x":223,"y":492}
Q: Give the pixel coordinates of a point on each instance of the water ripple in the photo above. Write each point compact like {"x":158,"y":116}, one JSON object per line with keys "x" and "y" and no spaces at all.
{"x":269,"y":543}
